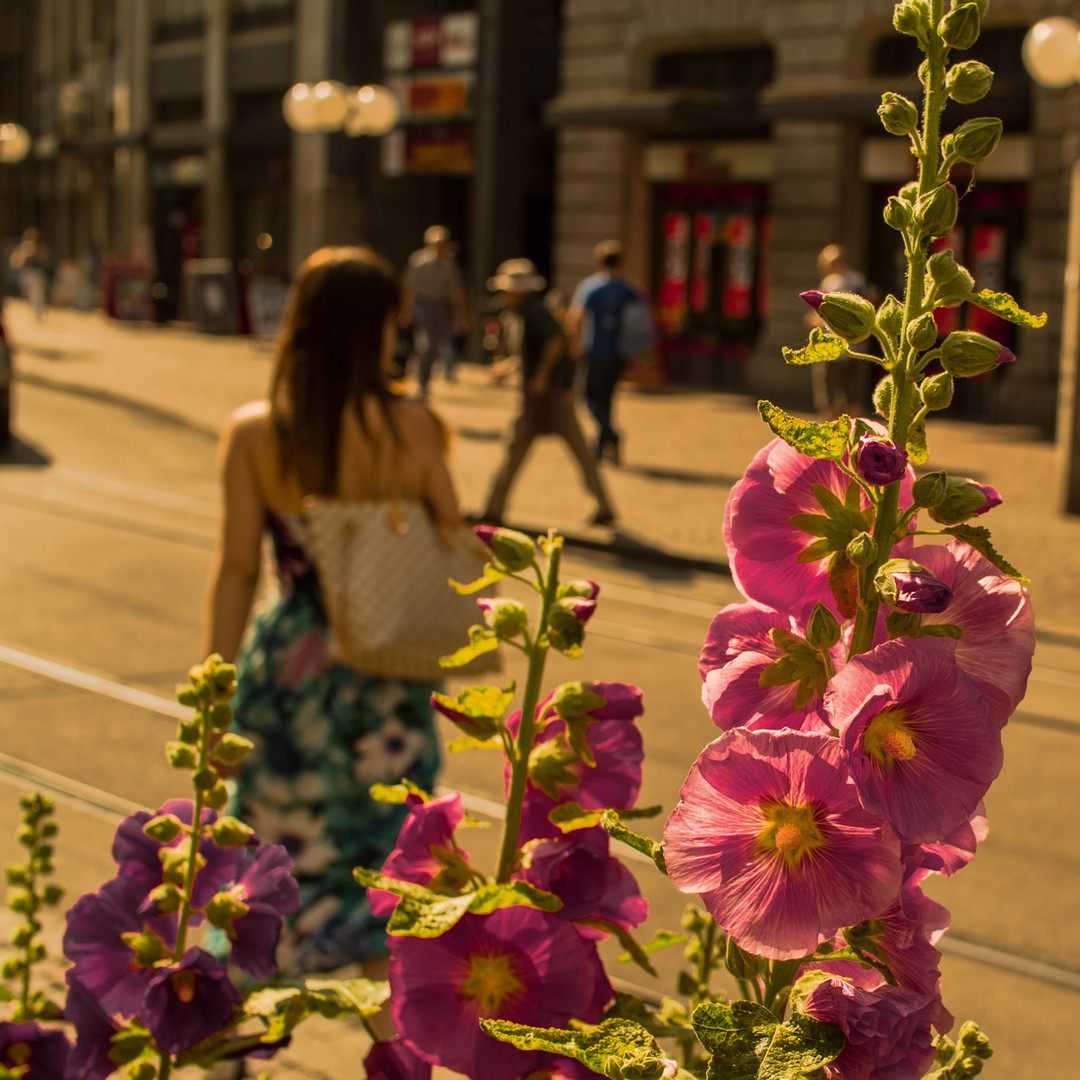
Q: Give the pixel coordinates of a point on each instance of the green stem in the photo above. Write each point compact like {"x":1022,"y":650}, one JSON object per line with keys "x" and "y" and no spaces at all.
{"x":192,"y":867}
{"x":165,"y":1066}
{"x":537,"y":653}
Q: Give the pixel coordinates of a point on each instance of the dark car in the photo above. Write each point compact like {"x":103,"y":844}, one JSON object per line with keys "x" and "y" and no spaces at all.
{"x":5,"y":389}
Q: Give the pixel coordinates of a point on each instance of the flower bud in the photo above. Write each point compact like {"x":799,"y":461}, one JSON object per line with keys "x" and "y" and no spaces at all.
{"x":587,"y":590}
{"x":813,"y":297}
{"x":964,"y":499}
{"x":232,"y":748}
{"x":975,"y":140}
{"x":954,"y":292}
{"x":966,"y":353}
{"x":572,"y":701}
{"x":935,"y":213}
{"x":883,"y":397}
{"x":223,"y":909}
{"x":511,"y":548}
{"x":968,"y":81}
{"x":847,"y":315}
{"x":890,"y":316}
{"x":942,"y":266}
{"x":230,"y":832}
{"x":204,"y":779}
{"x":898,"y":115}
{"x":960,"y":28}
{"x":741,"y":964}
{"x":908,"y":586}
{"x":922,"y":332}
{"x":936,"y":391}
{"x":217,"y":796}
{"x":897,"y":213}
{"x":929,"y":489}
{"x":693,"y":919}
{"x":912,"y":17}
{"x":507,"y":618}
{"x":164,"y":828}
{"x":880,"y":461}
{"x":180,"y":755}
{"x":141,"y":1070}
{"x":166,"y":898}
{"x":639,"y":1063}
{"x":822,"y":628}
{"x":565,"y":630}
{"x":862,"y":550}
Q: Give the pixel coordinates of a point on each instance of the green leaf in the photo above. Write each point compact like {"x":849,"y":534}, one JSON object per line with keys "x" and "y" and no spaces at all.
{"x":571,"y":816}
{"x":979,"y":538}
{"x":491,"y":576}
{"x":615,"y":1048}
{"x":663,"y":939}
{"x":613,"y":826}
{"x":918,"y":452}
{"x":467,"y":742}
{"x":489,"y":898}
{"x":396,"y":794}
{"x":815,"y":440}
{"x":747,"y":1042}
{"x":417,"y":918}
{"x":481,"y":641}
{"x":487,"y":703}
{"x":281,"y":1008}
{"x":950,"y":630}
{"x":822,"y":347}
{"x":1005,"y":307}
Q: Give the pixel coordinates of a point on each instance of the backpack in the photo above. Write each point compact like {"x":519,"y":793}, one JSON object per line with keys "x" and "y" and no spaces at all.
{"x":637,"y":335}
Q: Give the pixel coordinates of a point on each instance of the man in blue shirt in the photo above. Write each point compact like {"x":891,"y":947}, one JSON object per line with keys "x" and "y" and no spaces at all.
{"x":593,"y":324}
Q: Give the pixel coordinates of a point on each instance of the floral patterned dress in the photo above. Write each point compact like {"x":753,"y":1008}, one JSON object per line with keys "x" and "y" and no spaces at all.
{"x":323,"y":734}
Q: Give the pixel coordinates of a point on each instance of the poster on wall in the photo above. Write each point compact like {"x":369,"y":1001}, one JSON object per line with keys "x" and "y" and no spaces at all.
{"x":425,"y":44}
{"x":398,"y":45}
{"x":738,"y":288}
{"x":701,"y":268}
{"x":459,"y":33}
{"x":672,"y":299}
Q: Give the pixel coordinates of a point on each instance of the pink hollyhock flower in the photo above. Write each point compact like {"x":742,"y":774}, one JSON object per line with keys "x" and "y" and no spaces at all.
{"x":43,"y":1054}
{"x":995,"y":615}
{"x":517,"y":964}
{"x":739,"y":648}
{"x":921,"y":744}
{"x":391,"y":1059}
{"x":948,"y":855}
{"x":880,"y":461}
{"x":887,"y":1029}
{"x":778,"y":537}
{"x":425,"y":847}
{"x":770,"y":832}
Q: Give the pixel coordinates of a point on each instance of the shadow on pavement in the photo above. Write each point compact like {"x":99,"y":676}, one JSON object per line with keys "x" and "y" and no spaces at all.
{"x":21,"y":452}
{"x":681,"y":476}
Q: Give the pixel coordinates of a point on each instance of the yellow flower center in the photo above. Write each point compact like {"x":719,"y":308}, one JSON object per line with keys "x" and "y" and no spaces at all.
{"x":491,"y":980}
{"x":888,"y":737}
{"x":19,"y":1054}
{"x":790,"y":833}
{"x":183,"y":984}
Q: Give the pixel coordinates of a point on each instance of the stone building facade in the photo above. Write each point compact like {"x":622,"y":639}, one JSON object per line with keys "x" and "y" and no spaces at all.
{"x":726,"y":143}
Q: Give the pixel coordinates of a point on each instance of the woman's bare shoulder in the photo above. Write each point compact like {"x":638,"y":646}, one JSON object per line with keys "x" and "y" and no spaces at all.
{"x":249,"y":421}
{"x":419,"y":422}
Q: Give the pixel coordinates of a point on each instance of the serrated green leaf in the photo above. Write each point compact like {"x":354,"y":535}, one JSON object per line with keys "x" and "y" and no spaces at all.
{"x":481,"y":641}
{"x":613,"y":826}
{"x":491,"y":576}
{"x":979,"y":538}
{"x":747,"y":1042}
{"x":427,"y":919}
{"x":396,"y":794}
{"x":918,"y":451}
{"x":828,"y":440}
{"x":281,"y":1008}
{"x":1005,"y":307}
{"x":480,"y":702}
{"x":571,"y":816}
{"x":604,"y":1048}
{"x":822,"y":347}
{"x":489,"y":898}
{"x":467,"y":742}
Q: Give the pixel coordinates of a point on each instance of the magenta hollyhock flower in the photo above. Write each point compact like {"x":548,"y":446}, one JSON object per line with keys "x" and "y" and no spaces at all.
{"x":995,"y":614}
{"x":764,"y":544}
{"x":949,"y":855}
{"x":266,"y":887}
{"x":94,"y":1030}
{"x":770,"y":832}
{"x":880,"y":461}
{"x":426,"y":832}
{"x":391,"y":1059}
{"x":188,"y":1002}
{"x":813,"y":297}
{"x":94,"y":941}
{"x":920,"y":741}
{"x":738,"y":649}
{"x":45,"y":1054}
{"x":887,"y":1029}
{"x":920,"y":593}
{"x":579,"y":870}
{"x":517,"y":964}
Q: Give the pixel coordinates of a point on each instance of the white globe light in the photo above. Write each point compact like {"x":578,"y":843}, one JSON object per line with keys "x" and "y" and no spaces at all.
{"x":296,"y":107}
{"x":328,"y":105}
{"x":14,"y":143}
{"x":1051,"y":51}
{"x":373,"y":110}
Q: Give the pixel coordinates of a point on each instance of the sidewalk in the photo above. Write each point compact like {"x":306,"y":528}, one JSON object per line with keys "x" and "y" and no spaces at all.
{"x":683,"y":449}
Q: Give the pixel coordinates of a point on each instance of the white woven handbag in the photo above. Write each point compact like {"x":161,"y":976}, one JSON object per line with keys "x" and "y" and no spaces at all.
{"x":383,"y":571}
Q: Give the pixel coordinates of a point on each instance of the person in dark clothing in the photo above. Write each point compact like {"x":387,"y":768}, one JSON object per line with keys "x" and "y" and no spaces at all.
{"x":529,"y":332}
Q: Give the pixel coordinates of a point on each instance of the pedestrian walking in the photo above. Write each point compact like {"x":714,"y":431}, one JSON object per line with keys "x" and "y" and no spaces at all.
{"x":434,"y":305}
{"x":332,"y":428}
{"x":530,"y":335}
{"x":31,"y":262}
{"x":595,"y":323}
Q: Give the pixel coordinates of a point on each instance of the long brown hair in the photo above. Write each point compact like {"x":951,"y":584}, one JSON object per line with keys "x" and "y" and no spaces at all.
{"x":329,"y":358}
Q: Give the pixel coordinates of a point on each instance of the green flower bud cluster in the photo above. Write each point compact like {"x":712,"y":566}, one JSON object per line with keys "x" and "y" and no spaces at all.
{"x":848,"y":315}
{"x":960,"y":27}
{"x":968,"y":81}
{"x":899,"y":116}
{"x":973,"y":141}
{"x":935,"y":212}
{"x":936,"y":391}
{"x":965,"y":353}
{"x":28,"y":896}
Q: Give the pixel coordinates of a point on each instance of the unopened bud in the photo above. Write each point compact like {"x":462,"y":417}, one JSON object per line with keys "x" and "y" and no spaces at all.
{"x":898,"y":115}
{"x":965,"y":353}
{"x":922,"y":333}
{"x":862,"y":550}
{"x":229,"y":832}
{"x":964,"y":499}
{"x":930,"y":489}
{"x":164,"y":828}
{"x":741,"y":964}
{"x":960,"y":28}
{"x":975,"y":140}
{"x":936,"y":391}
{"x":205,"y":778}
{"x":908,"y":586}
{"x":166,"y":898}
{"x":897,"y":213}
{"x":511,"y":548}
{"x":848,"y":315}
{"x":968,"y":81}
{"x":822,"y":628}
{"x":935,"y":213}
{"x":232,"y":748}
{"x":565,"y":630}
{"x":217,"y":796}
{"x":693,"y":919}
{"x":880,"y":461}
{"x":507,"y":618}
{"x":955,"y":291}
{"x":890,"y":316}
{"x":942,"y":266}
{"x":912,"y":18}
{"x":180,"y":755}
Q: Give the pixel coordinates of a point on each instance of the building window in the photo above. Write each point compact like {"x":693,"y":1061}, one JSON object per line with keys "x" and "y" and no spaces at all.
{"x":252,"y":14}
{"x":178,"y":19}
{"x":746,"y":71}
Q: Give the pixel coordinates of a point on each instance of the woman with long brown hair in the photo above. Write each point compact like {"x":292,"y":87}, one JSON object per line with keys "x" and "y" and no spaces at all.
{"x":323,"y":732}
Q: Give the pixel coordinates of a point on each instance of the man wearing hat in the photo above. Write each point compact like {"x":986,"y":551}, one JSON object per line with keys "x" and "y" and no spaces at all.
{"x":528,"y":331}
{"x":433,"y":303}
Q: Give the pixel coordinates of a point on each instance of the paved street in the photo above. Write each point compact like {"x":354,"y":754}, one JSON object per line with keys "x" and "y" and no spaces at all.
{"x":108,"y":515}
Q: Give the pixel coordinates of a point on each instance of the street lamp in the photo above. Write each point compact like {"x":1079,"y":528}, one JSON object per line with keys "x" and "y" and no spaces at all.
{"x":329,"y":106}
{"x":14,"y":143}
{"x":1051,"y":53}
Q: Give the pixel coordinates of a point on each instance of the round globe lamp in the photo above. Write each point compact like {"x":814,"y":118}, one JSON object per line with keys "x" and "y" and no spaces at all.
{"x":320,"y":106}
{"x":1051,"y":52}
{"x":14,"y":143}
{"x":373,"y":110}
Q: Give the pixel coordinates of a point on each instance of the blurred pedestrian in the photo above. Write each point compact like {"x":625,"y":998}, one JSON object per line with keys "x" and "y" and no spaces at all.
{"x":434,"y":304}
{"x":332,"y":427}
{"x":839,"y":386}
{"x":530,"y":336}
{"x":594,"y":323}
{"x":31,"y":262}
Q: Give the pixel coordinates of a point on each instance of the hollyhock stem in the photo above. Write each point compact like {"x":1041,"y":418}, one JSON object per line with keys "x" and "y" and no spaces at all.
{"x":537,"y":653}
